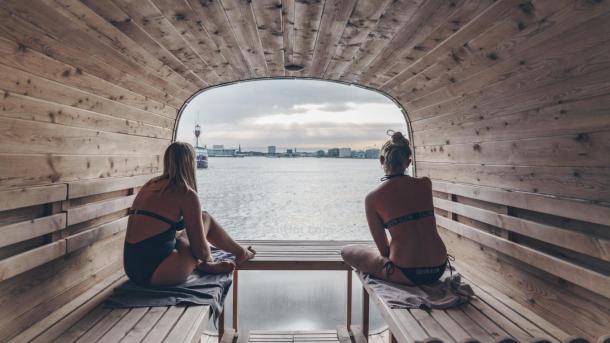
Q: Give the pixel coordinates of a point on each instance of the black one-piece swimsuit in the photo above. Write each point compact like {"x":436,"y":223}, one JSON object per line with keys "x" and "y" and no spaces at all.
{"x":141,"y":259}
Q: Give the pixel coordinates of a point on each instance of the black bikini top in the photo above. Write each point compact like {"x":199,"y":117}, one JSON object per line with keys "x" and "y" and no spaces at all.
{"x":173,"y":225}
{"x":407,"y":217}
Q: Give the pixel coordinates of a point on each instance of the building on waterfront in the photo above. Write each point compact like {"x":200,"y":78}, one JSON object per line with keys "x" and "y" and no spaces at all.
{"x":220,"y":151}
{"x":271,"y":149}
{"x":345,"y":152}
{"x":334,"y":152}
{"x":357,"y":154}
{"x":371,"y":153}
{"x":320,"y":153}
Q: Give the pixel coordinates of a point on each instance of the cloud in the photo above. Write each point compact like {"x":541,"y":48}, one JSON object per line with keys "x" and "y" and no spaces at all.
{"x":288,"y":113}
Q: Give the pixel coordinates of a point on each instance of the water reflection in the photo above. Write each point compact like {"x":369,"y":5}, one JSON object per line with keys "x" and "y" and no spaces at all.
{"x":301,"y":300}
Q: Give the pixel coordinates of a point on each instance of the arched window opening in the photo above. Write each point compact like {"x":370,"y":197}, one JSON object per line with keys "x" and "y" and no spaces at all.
{"x":291,"y":160}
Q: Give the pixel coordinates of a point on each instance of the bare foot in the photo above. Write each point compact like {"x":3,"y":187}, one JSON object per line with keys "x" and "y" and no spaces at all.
{"x":246,"y":255}
{"x":216,"y":267}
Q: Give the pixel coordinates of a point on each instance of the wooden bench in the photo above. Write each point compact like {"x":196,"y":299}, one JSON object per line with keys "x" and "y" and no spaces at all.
{"x":506,"y":244}
{"x":489,"y":317}
{"x":85,"y":319}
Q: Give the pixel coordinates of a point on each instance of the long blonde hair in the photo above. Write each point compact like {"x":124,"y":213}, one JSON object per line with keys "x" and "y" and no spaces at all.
{"x":396,"y":151}
{"x":179,"y":168}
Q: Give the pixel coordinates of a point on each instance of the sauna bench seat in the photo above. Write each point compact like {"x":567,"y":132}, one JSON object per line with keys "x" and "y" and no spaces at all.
{"x":85,"y":319}
{"x":489,"y":317}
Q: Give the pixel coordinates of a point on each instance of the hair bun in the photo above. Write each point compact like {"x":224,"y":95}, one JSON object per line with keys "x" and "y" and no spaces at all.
{"x":399,"y":138}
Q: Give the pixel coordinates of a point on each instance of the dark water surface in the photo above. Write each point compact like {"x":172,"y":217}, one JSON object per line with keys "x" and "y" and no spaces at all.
{"x":301,"y":199}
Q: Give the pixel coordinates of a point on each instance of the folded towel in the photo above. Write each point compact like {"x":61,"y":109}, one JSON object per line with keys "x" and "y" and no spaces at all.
{"x":447,"y":292}
{"x":199,"y":289}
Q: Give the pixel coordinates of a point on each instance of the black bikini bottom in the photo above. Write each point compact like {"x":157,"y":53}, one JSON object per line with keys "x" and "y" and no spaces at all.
{"x":419,"y":275}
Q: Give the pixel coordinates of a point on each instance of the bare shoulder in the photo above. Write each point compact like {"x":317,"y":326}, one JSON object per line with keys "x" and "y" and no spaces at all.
{"x":425,"y":181}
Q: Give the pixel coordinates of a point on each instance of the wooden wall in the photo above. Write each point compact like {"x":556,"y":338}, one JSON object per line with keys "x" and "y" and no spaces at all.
{"x":509,"y":103}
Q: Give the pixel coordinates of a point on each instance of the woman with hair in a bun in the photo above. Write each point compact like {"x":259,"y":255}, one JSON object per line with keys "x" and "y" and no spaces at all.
{"x":414,"y":254}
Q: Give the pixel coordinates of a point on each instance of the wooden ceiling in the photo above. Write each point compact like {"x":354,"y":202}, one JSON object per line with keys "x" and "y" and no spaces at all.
{"x":375,"y":43}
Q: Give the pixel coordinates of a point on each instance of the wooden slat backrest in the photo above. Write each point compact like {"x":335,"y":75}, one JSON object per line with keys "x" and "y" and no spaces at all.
{"x":475,"y":220}
{"x":90,"y":218}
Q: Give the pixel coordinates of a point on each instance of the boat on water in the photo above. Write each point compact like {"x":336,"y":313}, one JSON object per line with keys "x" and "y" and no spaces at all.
{"x":202,"y":157}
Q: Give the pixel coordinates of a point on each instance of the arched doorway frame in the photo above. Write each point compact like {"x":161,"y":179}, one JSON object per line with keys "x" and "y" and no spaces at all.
{"x":404,"y":112}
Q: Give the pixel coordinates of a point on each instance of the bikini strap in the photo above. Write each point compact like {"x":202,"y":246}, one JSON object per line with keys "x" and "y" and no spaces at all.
{"x":449,"y":259}
{"x":156,"y":216}
{"x":389,"y":267}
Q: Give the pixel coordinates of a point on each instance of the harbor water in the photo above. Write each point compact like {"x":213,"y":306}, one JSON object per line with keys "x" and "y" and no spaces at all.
{"x":291,"y":198}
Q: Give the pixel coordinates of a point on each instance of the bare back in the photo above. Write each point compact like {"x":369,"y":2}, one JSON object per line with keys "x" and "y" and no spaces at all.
{"x":414,"y":243}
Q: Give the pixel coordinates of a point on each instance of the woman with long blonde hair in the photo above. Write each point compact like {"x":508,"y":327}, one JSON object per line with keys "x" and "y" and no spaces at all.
{"x":168,"y":235}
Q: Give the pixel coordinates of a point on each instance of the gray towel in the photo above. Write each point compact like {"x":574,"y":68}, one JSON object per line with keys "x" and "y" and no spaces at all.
{"x":447,"y":292}
{"x":199,"y":289}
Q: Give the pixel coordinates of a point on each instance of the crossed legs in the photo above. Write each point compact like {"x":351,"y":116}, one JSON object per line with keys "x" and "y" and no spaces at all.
{"x":176,"y":268}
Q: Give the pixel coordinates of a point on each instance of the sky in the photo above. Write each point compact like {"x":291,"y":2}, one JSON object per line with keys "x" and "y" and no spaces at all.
{"x":305,"y":114}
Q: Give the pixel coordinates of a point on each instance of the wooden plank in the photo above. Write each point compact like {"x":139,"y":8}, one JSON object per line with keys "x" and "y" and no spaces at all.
{"x":573,"y":117}
{"x":584,"y":183}
{"x":27,"y":137}
{"x":429,"y":323}
{"x":588,"y":279}
{"x":88,"y":237}
{"x":49,"y":68}
{"x":578,"y":210}
{"x":470,"y":326}
{"x":564,"y":151}
{"x":268,"y":15}
{"x":119,"y":19}
{"x":214,"y":21}
{"x":577,"y":312}
{"x":165,"y":324}
{"x":450,"y":325}
{"x":332,"y":24}
{"x":410,"y":40}
{"x":396,"y":15}
{"x":87,"y":20}
{"x":288,"y":32}
{"x":17,"y":232}
{"x":83,"y":325}
{"x":29,"y":108}
{"x":551,"y":37}
{"x":241,"y":19}
{"x":489,"y":325}
{"x":307,"y":16}
{"x":362,"y":21}
{"x":103,"y":326}
{"x":181,"y":17}
{"x":30,"y":259}
{"x":65,"y":317}
{"x":30,"y":196}
{"x":127,"y":322}
{"x":394,"y":323}
{"x":572,"y":240}
{"x":139,"y":331}
{"x":84,"y":188}
{"x":98,"y":209}
{"x":21,"y":30}
{"x":25,"y":83}
{"x":31,"y":296}
{"x":531,"y":322}
{"x":190,"y":326}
